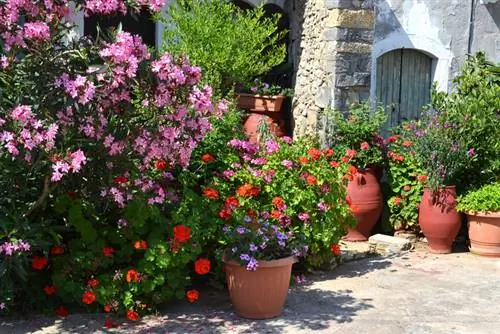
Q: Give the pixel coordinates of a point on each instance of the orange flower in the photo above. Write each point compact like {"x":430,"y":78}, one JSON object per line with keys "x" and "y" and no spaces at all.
{"x":311,"y":180}
{"x":335,"y":248}
{"x":120,"y":179}
{"x":207,"y":158}
{"x":49,"y":290}
{"x":108,"y":251}
{"x":92,"y":283}
{"x":232,"y":202}
{"x":344,"y":159}
{"x":132,"y":315}
{"x":211,"y":193}
{"x":140,"y":244}
{"x":202,"y":266}
{"x":351,"y":153}
{"x":161,"y":165}
{"x":132,"y":276}
{"x":275,"y":214}
{"x":334,"y":164}
{"x":422,"y":178}
{"x":314,"y":153}
{"x":192,"y":295}
{"x":39,"y":262}
{"x":397,"y":200}
{"x":225,"y":214}
{"x":248,"y":190}
{"x":278,"y":202}
{"x":328,"y":152}
{"x":182,"y":233}
{"x":354,"y":208}
{"x":57,"y":250}
{"x":303,"y":160}
{"x":107,"y":308}
{"x":352,"y":170}
{"x":62,"y":311}
{"x":88,"y":297}
{"x":406,"y":188}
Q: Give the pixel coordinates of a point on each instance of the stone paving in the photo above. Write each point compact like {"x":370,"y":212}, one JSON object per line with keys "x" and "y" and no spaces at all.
{"x":412,"y":292}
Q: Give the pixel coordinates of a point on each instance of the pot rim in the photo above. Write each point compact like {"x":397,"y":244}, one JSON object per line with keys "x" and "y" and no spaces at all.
{"x":494,"y":214}
{"x":283,"y":262}
{"x":443,"y":187}
{"x":275,"y":97}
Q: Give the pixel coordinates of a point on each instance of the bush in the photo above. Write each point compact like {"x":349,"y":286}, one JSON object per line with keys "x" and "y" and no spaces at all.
{"x":229,"y":44}
{"x":485,"y":199}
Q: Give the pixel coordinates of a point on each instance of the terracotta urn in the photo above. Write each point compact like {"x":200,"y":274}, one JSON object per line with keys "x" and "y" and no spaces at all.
{"x":484,"y":233}
{"x":439,"y":219}
{"x":366,"y":197}
{"x":260,"y":293}
{"x":260,"y":103}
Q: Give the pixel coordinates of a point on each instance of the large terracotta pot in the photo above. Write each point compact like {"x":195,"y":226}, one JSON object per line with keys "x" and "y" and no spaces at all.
{"x":261,"y":293}
{"x":439,"y":219}
{"x":484,"y":233}
{"x":366,"y":197}
{"x":251,"y":126}
{"x":260,"y":103}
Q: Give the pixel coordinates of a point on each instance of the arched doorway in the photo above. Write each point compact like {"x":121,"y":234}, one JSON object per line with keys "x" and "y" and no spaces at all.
{"x":403,"y":84}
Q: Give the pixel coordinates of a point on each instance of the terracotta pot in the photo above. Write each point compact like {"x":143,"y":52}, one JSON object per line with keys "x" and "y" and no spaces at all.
{"x":260,"y":103}
{"x":439,"y":219}
{"x":484,"y":233}
{"x":251,"y":126}
{"x":261,"y":293}
{"x":366,"y":196}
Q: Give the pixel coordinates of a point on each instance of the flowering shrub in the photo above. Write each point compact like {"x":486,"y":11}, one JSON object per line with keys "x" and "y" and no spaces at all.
{"x":405,"y":178}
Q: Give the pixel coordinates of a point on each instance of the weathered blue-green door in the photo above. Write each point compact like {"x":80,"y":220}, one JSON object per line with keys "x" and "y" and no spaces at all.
{"x":403,"y":84}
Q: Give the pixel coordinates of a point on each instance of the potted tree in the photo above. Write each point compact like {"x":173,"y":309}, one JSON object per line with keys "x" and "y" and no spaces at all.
{"x":355,"y":138}
{"x":482,"y":207}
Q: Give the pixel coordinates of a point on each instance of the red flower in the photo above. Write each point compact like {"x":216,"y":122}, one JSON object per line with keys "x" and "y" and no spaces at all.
{"x":39,"y":262}
{"x":407,"y":143}
{"x":109,"y":323}
{"x":278,"y":202}
{"x":351,"y":153}
{"x":311,"y":180}
{"x":344,"y":159}
{"x":62,"y":311}
{"x":422,"y":178}
{"x":232,"y":202}
{"x":107,"y":308}
{"x":392,"y":139}
{"x":207,"y":158}
{"x":353,"y":170}
{"x":192,"y":295}
{"x":225,"y":214}
{"x":120,"y":179}
{"x":275,"y":214}
{"x":182,"y":233}
{"x":354,"y":208}
{"x":88,"y":297}
{"x":108,"y":251}
{"x":335,"y":248}
{"x":92,"y":283}
{"x":364,"y":145}
{"x":248,"y":190}
{"x":328,"y":152}
{"x":161,"y":165}
{"x":397,"y":200}
{"x":334,"y":164}
{"x":314,"y":153}
{"x":132,"y":276}
{"x":140,"y":244}
{"x":251,"y":213}
{"x":57,"y":250}
{"x":49,"y":290}
{"x":406,"y":188}
{"x":303,"y":160}
{"x":202,"y":266}
{"x":132,"y":315}
{"x":211,"y":193}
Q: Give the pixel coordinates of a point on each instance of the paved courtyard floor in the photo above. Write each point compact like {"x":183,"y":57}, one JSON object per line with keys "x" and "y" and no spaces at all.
{"x":415,"y":292}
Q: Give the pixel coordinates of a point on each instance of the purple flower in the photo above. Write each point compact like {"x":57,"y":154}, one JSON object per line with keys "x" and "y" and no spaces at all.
{"x":299,"y":279}
{"x":419,"y":133}
{"x":287,"y":163}
{"x":303,"y":216}
{"x":122,"y":223}
{"x":226,"y":229}
{"x":254,"y":88}
{"x":265,"y":85}
{"x":228,"y":173}
{"x":259,"y":161}
{"x":245,"y":257}
{"x":287,"y":140}
{"x":263,"y":245}
{"x":240,"y":230}
{"x":268,"y":175}
{"x":252,"y":264}
{"x":253,"y":248}
{"x":322,"y":206}
{"x":247,"y":219}
{"x":265,"y":215}
{"x":272,"y":146}
{"x":325,"y":188}
{"x":2,"y":306}
{"x":471,"y":153}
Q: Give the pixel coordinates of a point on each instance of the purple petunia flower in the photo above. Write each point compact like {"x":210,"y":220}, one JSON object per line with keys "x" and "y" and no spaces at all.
{"x":252,"y":264}
{"x":240,"y":230}
{"x":245,"y":257}
{"x":247,"y":219}
{"x":272,"y":146}
{"x":471,"y":153}
{"x":253,"y":248}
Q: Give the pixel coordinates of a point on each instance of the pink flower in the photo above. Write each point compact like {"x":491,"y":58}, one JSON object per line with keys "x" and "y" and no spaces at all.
{"x":22,"y":114}
{"x":364,"y":145}
{"x":77,"y":160}
{"x":37,"y":30}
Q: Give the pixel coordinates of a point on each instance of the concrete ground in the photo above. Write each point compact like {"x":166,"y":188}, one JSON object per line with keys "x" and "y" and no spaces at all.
{"x":414,"y":292}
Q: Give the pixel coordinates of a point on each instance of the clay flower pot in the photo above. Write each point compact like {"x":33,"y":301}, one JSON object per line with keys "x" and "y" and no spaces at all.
{"x":261,"y":293}
{"x":251,"y":126}
{"x":366,"y":196}
{"x":439,"y":219}
{"x":484,"y":233}
{"x":260,"y":103}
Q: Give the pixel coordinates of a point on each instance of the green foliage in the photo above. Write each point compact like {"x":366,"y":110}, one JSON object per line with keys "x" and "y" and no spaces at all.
{"x":230,"y":45}
{"x":485,"y":199}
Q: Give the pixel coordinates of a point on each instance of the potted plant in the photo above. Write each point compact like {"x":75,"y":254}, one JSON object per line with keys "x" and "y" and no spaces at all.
{"x":443,"y":158}
{"x":355,"y":138}
{"x":482,"y":207}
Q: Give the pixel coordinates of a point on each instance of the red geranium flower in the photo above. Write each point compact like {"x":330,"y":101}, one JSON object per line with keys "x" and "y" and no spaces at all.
{"x":335,"y":248}
{"x":351,"y":153}
{"x":92,"y":283}
{"x":275,"y":214}
{"x":207,"y":158}
{"x":192,"y":295}
{"x":132,"y":315}
{"x":334,"y":164}
{"x":248,"y":190}
{"x":314,"y":153}
{"x":211,"y":193}
{"x":392,"y":139}
{"x":406,"y":188}
{"x":39,"y":262}
{"x":62,"y":311}
{"x":328,"y":152}
{"x":278,"y":202}
{"x":225,"y":214}
{"x":107,"y":308}
{"x":88,"y":297}
{"x":407,"y":143}
{"x":57,"y":250}
{"x":182,"y":233}
{"x":202,"y":266}
{"x":132,"y":276}
{"x":353,"y":170}
{"x":49,"y":290}
{"x":422,"y":178}
{"x":140,"y":244}
{"x":364,"y":145}
{"x":251,"y":213}
{"x":397,"y":201}
{"x":108,"y":251}
{"x":232,"y":202}
{"x":303,"y":160}
{"x":344,"y":159}
{"x":120,"y":179}
{"x":311,"y":180}
{"x":161,"y":165}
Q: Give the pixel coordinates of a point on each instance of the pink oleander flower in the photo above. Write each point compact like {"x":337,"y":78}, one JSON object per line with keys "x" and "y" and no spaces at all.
{"x":37,"y":31}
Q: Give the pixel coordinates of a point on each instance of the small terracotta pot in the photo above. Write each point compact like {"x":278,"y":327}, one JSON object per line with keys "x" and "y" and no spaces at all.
{"x":439,"y":219}
{"x":251,"y":126}
{"x":366,"y":196}
{"x":261,"y":293}
{"x":484,"y":233}
{"x":260,"y":103}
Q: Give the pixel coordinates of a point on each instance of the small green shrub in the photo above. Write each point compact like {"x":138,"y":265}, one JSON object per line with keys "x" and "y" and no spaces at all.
{"x":485,"y":199}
